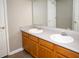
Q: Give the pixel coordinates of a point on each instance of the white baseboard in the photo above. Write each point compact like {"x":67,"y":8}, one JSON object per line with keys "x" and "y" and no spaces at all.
{"x":15,"y":51}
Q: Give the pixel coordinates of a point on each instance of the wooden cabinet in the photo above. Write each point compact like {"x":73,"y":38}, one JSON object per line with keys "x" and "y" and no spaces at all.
{"x":46,"y":44}
{"x":41,"y":48}
{"x":66,"y":52}
{"x":35,"y":39}
{"x":45,"y":49}
{"x":34,"y":49}
{"x":57,"y":55}
{"x":27,"y":44}
{"x":25,"y":35}
{"x":44,"y":52}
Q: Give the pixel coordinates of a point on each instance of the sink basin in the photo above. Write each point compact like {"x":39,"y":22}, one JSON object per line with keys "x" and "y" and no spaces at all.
{"x":35,"y":30}
{"x":61,"y":39}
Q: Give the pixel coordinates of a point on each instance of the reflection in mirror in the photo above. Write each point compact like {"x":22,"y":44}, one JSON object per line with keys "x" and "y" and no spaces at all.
{"x":56,"y":13}
{"x":40,"y":12}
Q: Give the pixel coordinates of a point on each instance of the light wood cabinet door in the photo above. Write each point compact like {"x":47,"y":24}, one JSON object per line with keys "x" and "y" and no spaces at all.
{"x":34,"y":49}
{"x":44,"y":52}
{"x":27,"y":44}
{"x":30,"y":46}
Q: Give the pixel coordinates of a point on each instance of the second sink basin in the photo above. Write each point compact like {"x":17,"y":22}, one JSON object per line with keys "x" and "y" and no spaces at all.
{"x":35,"y":30}
{"x":61,"y":39}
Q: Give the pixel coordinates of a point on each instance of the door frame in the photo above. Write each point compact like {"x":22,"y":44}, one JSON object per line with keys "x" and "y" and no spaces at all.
{"x":73,"y":14}
{"x":6,"y":26}
{"x":74,"y":17}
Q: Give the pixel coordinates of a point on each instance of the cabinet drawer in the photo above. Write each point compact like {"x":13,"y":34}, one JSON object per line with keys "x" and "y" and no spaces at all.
{"x":46,"y":44}
{"x":25,"y":34}
{"x":33,"y":38}
{"x":66,"y":52}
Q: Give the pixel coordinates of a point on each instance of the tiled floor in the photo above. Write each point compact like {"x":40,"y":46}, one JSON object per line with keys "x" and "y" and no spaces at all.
{"x":22,"y":54}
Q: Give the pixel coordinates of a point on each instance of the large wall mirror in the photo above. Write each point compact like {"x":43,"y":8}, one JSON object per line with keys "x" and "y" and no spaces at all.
{"x":56,"y":13}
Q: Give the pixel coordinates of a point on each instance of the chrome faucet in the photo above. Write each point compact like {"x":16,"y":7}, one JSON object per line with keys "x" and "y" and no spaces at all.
{"x":64,"y":33}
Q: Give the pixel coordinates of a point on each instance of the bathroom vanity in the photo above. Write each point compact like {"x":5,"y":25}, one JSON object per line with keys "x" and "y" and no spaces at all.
{"x":41,"y":46}
{"x":53,"y":42}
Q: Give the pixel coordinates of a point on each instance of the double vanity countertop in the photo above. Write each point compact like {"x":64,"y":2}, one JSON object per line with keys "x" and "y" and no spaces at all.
{"x":49,"y":31}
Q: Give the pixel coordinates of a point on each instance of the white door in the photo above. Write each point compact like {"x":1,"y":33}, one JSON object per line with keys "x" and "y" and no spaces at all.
{"x":3,"y":48}
{"x":52,"y":13}
{"x":76,"y":15}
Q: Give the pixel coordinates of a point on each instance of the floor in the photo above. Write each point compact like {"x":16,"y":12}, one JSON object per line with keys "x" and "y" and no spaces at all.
{"x":21,"y":54}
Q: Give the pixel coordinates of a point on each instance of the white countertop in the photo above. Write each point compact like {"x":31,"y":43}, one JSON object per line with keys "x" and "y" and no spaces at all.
{"x":47,"y":32}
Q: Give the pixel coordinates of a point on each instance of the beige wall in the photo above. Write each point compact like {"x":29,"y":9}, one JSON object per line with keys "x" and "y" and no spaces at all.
{"x":19,"y":14}
{"x":64,"y":13}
